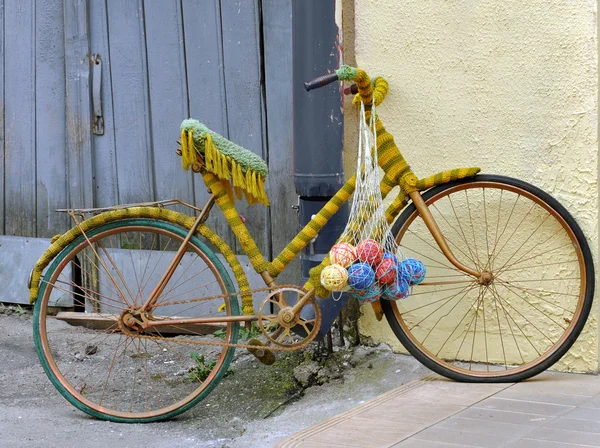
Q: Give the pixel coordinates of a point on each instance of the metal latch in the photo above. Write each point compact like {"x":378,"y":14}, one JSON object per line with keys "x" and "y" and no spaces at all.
{"x":98,"y":125}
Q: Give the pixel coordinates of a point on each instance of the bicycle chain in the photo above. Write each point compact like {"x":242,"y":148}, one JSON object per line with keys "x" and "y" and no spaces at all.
{"x":271,"y":347}
{"x":223,"y":296}
{"x":226,"y":344}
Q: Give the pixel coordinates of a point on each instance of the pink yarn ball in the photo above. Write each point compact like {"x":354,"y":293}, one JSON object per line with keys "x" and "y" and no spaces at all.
{"x":343,"y":254}
{"x":369,"y":251}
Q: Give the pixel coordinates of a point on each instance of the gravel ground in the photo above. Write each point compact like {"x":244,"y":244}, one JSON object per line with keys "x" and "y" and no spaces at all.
{"x":254,"y":407}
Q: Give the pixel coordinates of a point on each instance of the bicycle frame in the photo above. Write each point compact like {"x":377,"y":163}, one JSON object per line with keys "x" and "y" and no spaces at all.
{"x":397,"y":173}
{"x":221,"y":198}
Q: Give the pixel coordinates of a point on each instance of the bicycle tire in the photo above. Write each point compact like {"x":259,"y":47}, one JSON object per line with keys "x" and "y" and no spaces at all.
{"x":54,"y":358}
{"x":455,"y":368}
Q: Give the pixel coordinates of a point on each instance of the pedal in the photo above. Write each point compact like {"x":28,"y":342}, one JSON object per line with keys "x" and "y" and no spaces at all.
{"x":261,"y":352}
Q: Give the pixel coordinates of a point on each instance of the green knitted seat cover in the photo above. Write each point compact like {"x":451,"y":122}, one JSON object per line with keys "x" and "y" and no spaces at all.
{"x":241,"y":170}
{"x":247,"y":159}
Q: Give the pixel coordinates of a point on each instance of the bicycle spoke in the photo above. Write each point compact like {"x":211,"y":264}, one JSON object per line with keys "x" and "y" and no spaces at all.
{"x":521,"y":261}
{"x":457,"y":325}
{"x":434,"y":311}
{"x":493,"y":258}
{"x":447,"y":313}
{"x":524,"y":242}
{"x":513,"y":233}
{"x":117,"y":270}
{"x":479,"y":301}
{"x":473,"y":258}
{"x":435,"y":301}
{"x":497,"y":301}
{"x":527,"y":320}
{"x":487,"y":243}
{"x":469,"y":257}
{"x":472,"y":229}
{"x":536,"y":308}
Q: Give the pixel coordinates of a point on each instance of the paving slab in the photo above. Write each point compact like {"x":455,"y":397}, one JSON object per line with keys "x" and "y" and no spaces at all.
{"x":565,"y":436}
{"x":411,"y":408}
{"x":552,"y":410}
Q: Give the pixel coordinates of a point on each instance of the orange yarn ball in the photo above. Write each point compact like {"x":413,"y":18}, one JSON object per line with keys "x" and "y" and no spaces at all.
{"x":334,"y":277}
{"x":343,"y":254}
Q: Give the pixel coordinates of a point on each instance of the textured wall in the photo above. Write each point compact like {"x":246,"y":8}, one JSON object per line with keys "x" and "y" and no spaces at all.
{"x":509,"y":86}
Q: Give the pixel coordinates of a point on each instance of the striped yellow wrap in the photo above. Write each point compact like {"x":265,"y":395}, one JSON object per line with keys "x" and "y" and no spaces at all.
{"x":143,"y":212}
{"x":219,"y":189}
{"x":396,"y":169}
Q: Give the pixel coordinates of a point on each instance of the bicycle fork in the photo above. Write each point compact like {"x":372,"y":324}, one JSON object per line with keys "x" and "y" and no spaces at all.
{"x":484,"y":277}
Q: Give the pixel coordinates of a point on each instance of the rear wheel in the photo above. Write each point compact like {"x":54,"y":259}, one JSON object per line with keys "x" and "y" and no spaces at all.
{"x":102,"y":362}
{"x":534,"y":298}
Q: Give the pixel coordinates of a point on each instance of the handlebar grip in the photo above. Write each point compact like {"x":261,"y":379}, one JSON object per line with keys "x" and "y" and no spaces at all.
{"x":320,"y":81}
{"x":352,"y":90}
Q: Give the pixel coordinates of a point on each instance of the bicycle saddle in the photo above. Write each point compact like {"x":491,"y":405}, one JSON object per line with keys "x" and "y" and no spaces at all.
{"x":229,"y":162}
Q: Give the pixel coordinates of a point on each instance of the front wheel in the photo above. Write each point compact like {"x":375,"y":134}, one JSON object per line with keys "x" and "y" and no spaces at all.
{"x":113,"y":369}
{"x":534,"y":302}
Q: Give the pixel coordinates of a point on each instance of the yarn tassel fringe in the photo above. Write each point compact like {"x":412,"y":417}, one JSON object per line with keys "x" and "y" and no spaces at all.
{"x":237,"y":181}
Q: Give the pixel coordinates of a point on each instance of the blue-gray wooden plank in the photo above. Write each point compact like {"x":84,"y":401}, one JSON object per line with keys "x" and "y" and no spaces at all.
{"x":78,"y":105}
{"x":104,"y":152}
{"x":130,"y":107}
{"x":2,"y":63}
{"x":245,"y":109}
{"x":206,"y":85}
{"x":19,"y":90}
{"x":168,"y":96}
{"x":277,"y":30}
{"x":50,"y":118}
{"x":17,"y":256}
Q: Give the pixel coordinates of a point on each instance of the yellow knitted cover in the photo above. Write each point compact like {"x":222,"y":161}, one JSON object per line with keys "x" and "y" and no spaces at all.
{"x":396,"y":169}
{"x":58,"y":244}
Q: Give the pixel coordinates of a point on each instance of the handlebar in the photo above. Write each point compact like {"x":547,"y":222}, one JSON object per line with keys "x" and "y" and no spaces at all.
{"x":324,"y":80}
{"x":368,"y":91}
{"x":321,"y":81}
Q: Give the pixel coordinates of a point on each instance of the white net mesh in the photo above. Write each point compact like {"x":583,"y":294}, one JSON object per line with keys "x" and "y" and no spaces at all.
{"x":367,"y":261}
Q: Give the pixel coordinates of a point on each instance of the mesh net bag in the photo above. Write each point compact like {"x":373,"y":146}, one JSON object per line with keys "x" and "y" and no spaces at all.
{"x":366,"y":261}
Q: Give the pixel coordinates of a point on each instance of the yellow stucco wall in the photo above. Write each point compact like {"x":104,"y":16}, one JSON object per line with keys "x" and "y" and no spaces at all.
{"x":508,"y":86}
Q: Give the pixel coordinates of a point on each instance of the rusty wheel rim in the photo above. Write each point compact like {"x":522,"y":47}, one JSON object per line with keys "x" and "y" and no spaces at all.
{"x":129,"y":343}
{"x":490,"y":291}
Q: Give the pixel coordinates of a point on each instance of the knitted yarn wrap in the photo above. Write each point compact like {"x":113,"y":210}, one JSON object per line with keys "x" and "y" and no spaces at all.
{"x":235,"y":166}
{"x":378,"y":256}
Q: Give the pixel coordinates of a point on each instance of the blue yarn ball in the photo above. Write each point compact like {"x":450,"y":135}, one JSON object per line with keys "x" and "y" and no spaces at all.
{"x":414,"y":271}
{"x":398,"y":290}
{"x":360,"y":276}
{"x":368,"y":295}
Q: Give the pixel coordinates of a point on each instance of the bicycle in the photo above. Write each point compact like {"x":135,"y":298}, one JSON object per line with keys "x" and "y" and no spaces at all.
{"x":509,"y":284}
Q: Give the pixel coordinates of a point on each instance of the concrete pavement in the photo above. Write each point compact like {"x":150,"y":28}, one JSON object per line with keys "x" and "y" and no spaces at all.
{"x":551,"y":410}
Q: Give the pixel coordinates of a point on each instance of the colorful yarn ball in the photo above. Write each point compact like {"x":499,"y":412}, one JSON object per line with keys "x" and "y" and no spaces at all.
{"x":360,"y":276}
{"x":387,"y":271}
{"x":414,"y":270}
{"x":370,"y":294}
{"x":343,"y":254}
{"x":391,"y":256}
{"x":396,"y":291}
{"x":334,"y":277}
{"x":370,"y":251}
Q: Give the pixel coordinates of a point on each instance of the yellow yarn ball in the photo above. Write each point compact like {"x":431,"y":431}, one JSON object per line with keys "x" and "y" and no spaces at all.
{"x":343,"y":254}
{"x":334,"y":277}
